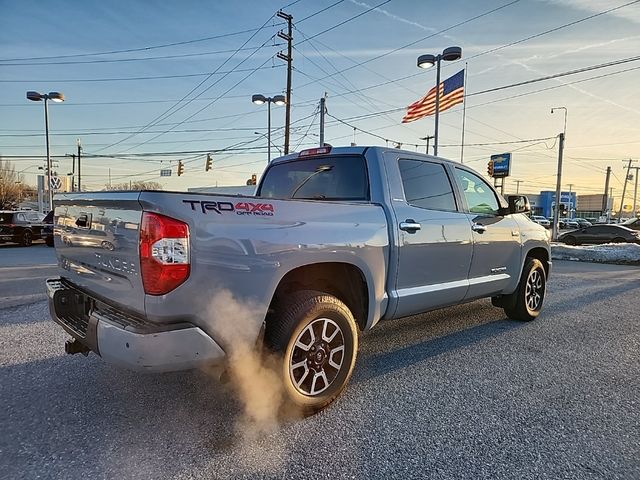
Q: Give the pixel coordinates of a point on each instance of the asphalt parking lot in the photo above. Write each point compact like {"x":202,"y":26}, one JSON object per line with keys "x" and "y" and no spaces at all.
{"x":457,"y":393}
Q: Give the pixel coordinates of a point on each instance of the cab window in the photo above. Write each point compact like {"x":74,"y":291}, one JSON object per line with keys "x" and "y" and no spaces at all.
{"x":480,"y":197}
{"x":426,"y":185}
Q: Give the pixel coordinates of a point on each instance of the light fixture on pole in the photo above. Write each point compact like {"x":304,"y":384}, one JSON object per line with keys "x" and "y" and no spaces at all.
{"x":449,"y":54}
{"x":556,"y":210}
{"x":54,"y":97}
{"x":259,"y":99}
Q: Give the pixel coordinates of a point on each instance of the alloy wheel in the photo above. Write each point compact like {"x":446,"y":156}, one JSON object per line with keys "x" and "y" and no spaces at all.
{"x":534,"y":290}
{"x":317,"y":356}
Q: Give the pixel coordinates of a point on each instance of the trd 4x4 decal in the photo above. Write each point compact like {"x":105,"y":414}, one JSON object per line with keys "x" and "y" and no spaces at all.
{"x":240,"y":208}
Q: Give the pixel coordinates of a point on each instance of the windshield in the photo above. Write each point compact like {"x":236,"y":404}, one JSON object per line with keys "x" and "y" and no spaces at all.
{"x":320,"y":178}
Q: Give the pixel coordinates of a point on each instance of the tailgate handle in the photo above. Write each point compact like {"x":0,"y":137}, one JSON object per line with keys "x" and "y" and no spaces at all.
{"x":83,"y":221}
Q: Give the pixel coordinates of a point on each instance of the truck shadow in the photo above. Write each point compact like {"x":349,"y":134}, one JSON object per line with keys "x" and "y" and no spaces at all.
{"x":428,"y":335}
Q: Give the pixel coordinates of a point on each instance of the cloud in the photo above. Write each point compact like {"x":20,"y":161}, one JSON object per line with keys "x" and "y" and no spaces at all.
{"x":630,"y":13}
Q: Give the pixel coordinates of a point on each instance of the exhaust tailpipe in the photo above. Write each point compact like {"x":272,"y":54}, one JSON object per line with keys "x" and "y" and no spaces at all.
{"x":73,"y":346}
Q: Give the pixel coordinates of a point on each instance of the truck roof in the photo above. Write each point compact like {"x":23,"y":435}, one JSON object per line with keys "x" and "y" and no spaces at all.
{"x":359,"y":150}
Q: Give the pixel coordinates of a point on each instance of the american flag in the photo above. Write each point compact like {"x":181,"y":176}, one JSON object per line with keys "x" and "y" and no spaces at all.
{"x":451,"y":93}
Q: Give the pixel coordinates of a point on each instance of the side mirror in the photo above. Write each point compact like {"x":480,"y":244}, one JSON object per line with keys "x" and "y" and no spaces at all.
{"x":517,"y":204}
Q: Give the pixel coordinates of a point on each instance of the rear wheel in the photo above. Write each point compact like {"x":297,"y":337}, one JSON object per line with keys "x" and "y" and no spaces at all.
{"x":316,"y":339}
{"x":27,"y":238}
{"x":526,"y":302}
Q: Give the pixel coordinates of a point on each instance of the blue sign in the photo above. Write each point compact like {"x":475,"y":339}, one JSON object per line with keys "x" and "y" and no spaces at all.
{"x":501,"y":165}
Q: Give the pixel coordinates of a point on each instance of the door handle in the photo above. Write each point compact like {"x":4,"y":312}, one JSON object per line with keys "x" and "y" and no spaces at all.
{"x":478,"y":227}
{"x":410,"y":225}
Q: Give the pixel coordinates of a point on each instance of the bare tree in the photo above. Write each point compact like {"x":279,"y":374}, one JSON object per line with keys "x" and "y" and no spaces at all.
{"x":137,"y":185}
{"x":11,"y":186}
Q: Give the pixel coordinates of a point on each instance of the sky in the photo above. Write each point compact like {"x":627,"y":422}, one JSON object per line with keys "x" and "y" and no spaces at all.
{"x":183,"y":73}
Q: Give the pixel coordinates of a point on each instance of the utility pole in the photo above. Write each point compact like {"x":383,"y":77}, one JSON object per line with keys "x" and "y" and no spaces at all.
{"x":289,"y":59}
{"x":635,"y":191}
{"x":605,"y":198}
{"x":323,"y":109}
{"x":427,"y":138}
{"x":518,"y":182}
{"x":556,"y":210}
{"x":79,"y":176}
{"x":570,"y":209}
{"x":624,"y":190}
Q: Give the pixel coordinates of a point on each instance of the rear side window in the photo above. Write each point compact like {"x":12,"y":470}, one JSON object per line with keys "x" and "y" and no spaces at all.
{"x":6,"y":218}
{"x":426,"y":185}
{"x":320,"y":178}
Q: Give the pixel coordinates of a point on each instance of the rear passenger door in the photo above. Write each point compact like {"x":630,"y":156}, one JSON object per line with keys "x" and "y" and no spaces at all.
{"x":435,"y":244}
{"x":496,"y":238}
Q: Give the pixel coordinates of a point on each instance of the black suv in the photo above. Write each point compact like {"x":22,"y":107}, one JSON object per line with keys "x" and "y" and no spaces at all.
{"x":21,"y":227}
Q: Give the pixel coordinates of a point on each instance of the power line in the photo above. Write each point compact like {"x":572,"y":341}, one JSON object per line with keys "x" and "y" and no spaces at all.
{"x":129,"y":79}
{"x":137,"y":59}
{"x":347,"y":21}
{"x":489,"y":12}
{"x":140,"y":49}
{"x":173,"y":110}
{"x":558,"y":75}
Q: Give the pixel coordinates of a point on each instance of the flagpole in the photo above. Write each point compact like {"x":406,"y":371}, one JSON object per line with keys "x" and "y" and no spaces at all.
{"x":464,"y":112}
{"x":437,"y":119}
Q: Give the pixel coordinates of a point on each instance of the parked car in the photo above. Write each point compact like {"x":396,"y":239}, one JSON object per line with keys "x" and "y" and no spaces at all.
{"x":633,"y":224}
{"x":570,"y":223}
{"x":540,"y":220}
{"x":598,"y":234}
{"x":47,"y":229}
{"x":21,"y":227}
{"x":334,"y":241}
{"x":582,"y":223}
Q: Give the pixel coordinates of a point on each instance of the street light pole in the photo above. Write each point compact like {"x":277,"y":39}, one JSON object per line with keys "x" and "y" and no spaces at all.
{"x":56,"y":97}
{"x":437,"y":117}
{"x":426,"y":61}
{"x":269,"y":133}
{"x":259,"y":99}
{"x":46,"y":129}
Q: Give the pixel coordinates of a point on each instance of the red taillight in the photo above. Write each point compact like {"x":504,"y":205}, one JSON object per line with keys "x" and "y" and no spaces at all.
{"x":164,"y":253}
{"x":314,"y":151}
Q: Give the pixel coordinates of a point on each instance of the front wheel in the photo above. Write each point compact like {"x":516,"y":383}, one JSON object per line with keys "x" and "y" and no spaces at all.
{"x":315,"y":337}
{"x":526,"y":302}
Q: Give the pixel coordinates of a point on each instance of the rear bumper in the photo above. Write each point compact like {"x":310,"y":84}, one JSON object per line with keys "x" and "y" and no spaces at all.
{"x":126,"y":340}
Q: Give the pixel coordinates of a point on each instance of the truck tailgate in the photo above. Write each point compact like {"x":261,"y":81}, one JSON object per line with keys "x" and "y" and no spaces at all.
{"x":97,"y":244}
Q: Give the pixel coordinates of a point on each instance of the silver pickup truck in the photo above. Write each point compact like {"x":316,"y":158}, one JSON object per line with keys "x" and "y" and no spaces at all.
{"x":334,"y":241}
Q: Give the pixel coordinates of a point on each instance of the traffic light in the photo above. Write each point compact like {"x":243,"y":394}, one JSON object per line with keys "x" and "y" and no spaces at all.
{"x":180,"y":167}
{"x":209,"y":165}
{"x":490,"y":168}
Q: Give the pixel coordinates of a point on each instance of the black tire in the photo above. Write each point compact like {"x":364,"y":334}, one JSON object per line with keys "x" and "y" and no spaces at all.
{"x":27,"y":238}
{"x":49,"y":242}
{"x":289,"y":330}
{"x":526,"y":302}
{"x":618,"y":240}
{"x":570,"y":240}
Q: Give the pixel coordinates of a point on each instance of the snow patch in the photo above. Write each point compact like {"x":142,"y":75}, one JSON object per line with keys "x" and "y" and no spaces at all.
{"x":618,"y":253}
